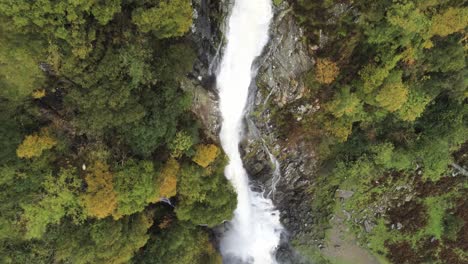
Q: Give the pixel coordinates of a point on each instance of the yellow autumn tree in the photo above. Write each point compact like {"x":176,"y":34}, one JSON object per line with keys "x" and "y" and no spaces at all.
{"x":326,"y":71}
{"x":100,"y":199}
{"x":393,"y":93}
{"x":450,"y":21}
{"x":206,"y":154}
{"x":339,"y":128}
{"x":168,"y":180}
{"x":34,"y":145}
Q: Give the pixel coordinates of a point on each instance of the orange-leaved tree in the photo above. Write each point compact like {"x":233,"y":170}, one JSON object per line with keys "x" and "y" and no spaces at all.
{"x":100,"y":199}
{"x":326,"y":71}
{"x":167,"y":182}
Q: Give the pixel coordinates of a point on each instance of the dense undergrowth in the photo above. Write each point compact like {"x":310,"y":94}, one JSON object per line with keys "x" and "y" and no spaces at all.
{"x":390,"y":79}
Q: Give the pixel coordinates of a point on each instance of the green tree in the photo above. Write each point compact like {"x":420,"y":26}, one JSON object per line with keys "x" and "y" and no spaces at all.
{"x":103,"y":241}
{"x":167,"y":19}
{"x":200,"y":200}
{"x":181,"y":243}
{"x":444,"y":129}
{"x":158,"y":127}
{"x":20,"y":56}
{"x":449,"y":21}
{"x":60,"y":200}
{"x":344,"y":103}
{"x":111,"y":84}
{"x":10,"y":133}
{"x":48,"y":18}
{"x":393,"y":93}
{"x":414,"y":105}
{"x":134,"y":184}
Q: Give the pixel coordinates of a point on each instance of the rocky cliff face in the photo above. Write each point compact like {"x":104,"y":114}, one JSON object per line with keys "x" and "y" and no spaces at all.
{"x":278,"y":87}
{"x":282,"y":165}
{"x":207,"y":37}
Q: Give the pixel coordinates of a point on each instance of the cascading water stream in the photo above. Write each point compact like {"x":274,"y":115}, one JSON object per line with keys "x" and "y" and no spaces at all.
{"x":254,"y":233}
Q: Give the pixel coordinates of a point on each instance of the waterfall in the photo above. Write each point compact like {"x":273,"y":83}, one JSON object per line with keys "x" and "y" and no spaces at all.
{"x":254,"y":233}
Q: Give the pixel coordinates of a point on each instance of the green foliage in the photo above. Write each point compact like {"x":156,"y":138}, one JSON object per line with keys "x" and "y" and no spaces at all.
{"x":390,"y":122}
{"x":277,"y":2}
{"x":182,"y":244}
{"x":180,"y":144}
{"x":110,"y":84}
{"x":344,"y":103}
{"x":414,"y":105}
{"x":449,"y":21}
{"x":374,"y":76}
{"x":158,"y":126}
{"x":436,"y":207}
{"x":134,"y":185}
{"x":34,"y":251}
{"x":383,"y":154}
{"x":445,"y":130}
{"x":47,"y":18}
{"x":200,"y":200}
{"x":10,"y":135}
{"x":60,"y":200}
{"x":176,"y":62}
{"x":393,"y":93}
{"x":312,"y":254}
{"x":19,"y":65}
{"x":104,"y":241}
{"x":381,"y":235}
{"x":446,"y":56}
{"x":453,"y":226}
{"x":168,"y":19}
{"x":104,"y":78}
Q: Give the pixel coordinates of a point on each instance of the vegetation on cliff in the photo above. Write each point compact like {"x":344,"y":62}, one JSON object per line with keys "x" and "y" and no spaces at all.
{"x":390,"y":78}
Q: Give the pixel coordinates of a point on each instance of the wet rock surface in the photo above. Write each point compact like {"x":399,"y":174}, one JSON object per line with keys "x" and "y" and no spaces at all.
{"x":278,"y":85}
{"x":207,"y":38}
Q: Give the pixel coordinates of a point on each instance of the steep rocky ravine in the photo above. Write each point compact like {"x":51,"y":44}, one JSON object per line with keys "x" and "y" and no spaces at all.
{"x":278,"y":85}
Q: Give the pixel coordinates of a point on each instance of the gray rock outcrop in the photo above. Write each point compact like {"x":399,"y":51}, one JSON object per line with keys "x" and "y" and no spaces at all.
{"x":279,"y":84}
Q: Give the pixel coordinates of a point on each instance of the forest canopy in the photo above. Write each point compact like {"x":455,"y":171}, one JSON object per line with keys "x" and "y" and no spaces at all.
{"x":392,"y":128}
{"x":97,"y":137}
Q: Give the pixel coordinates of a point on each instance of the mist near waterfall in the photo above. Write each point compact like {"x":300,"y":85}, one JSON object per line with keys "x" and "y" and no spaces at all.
{"x":254,"y":233}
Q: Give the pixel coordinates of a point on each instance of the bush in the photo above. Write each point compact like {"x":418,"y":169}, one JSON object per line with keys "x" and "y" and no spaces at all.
{"x":206,"y":154}
{"x":33,"y":145}
{"x":326,"y":71}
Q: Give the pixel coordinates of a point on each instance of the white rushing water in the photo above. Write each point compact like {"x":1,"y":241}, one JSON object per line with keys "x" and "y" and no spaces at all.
{"x":254,"y":233}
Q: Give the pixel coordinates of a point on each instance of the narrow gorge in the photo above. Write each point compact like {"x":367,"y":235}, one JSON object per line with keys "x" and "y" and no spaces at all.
{"x":253,"y":235}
